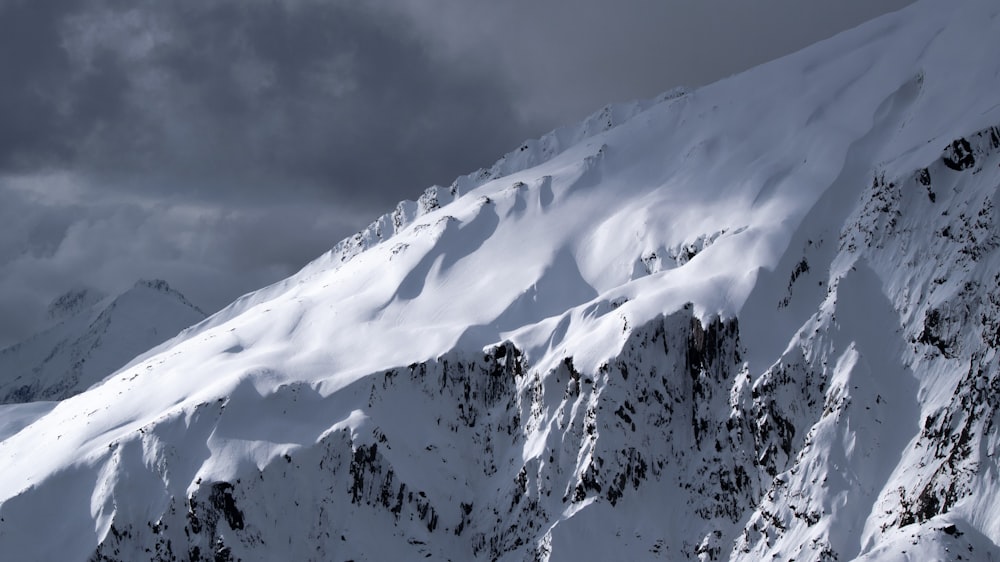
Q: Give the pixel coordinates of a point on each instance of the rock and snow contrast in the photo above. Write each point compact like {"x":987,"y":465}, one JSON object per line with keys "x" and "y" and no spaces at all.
{"x":754,"y":321}
{"x":91,"y":336}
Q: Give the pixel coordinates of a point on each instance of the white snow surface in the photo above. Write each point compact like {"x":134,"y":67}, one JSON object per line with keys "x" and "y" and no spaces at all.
{"x":752,"y":321}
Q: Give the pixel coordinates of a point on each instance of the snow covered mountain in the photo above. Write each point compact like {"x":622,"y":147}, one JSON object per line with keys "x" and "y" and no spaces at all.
{"x":92,"y":337}
{"x":754,"y":321}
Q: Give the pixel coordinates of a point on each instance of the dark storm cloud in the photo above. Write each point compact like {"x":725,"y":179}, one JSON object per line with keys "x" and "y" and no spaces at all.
{"x":218,"y":98}
{"x":34,"y":68}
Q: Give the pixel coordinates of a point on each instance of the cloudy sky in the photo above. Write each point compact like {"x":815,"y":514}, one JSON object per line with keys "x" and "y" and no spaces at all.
{"x":222,"y":144}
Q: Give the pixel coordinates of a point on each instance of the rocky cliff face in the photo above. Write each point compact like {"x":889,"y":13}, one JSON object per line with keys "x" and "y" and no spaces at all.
{"x":757,"y":321}
{"x":515,"y":451}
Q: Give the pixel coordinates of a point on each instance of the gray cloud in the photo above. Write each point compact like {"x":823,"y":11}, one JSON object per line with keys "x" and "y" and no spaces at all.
{"x":221,"y":144}
{"x":568,"y":58}
{"x":34,"y":66}
{"x":209,"y":99}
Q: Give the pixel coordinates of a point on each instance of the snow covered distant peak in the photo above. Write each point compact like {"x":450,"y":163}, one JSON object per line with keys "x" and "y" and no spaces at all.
{"x":72,"y":302}
{"x":757,"y":321}
{"x":161,"y":286}
{"x":91,"y":338}
{"x":156,"y":285}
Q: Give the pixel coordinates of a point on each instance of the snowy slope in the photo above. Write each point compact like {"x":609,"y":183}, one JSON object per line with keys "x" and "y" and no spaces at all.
{"x":753,"y":321}
{"x":91,"y":337}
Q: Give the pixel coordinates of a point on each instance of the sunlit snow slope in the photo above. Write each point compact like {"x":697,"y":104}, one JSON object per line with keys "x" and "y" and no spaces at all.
{"x":754,"y":321}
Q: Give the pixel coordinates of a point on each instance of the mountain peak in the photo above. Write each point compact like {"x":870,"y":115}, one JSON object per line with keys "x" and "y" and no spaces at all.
{"x":161,"y":286}
{"x":92,"y":336}
{"x":72,"y":302}
{"x":155,"y":284}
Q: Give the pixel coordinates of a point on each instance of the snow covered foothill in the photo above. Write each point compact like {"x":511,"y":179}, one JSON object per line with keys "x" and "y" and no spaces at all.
{"x":90,"y":336}
{"x":753,"y":321}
